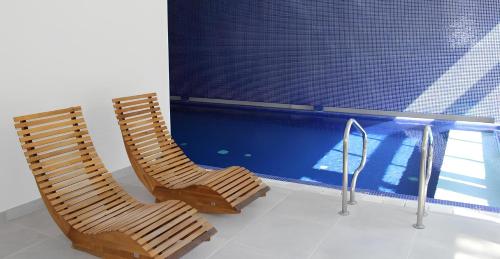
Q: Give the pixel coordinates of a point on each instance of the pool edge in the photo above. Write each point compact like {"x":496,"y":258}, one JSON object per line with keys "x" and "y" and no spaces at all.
{"x":378,"y":193}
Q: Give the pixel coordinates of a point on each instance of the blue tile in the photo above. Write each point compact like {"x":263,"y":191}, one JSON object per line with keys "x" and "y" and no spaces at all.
{"x":362,"y":54}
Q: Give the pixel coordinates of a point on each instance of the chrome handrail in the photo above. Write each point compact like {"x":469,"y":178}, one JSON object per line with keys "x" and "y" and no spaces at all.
{"x":345,"y":170}
{"x":425,"y":174}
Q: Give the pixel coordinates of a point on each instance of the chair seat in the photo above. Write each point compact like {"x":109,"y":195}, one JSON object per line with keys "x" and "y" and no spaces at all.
{"x":168,"y":173}
{"x":89,"y":206}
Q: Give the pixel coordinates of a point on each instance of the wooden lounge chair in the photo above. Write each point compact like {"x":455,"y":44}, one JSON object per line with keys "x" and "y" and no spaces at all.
{"x":168,"y":173}
{"x":92,"y":210}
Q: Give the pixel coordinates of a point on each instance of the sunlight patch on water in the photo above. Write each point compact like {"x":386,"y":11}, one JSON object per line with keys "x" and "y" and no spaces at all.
{"x":333,"y":159}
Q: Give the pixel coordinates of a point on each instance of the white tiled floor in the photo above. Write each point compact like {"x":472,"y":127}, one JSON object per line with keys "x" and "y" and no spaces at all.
{"x":297,"y":221}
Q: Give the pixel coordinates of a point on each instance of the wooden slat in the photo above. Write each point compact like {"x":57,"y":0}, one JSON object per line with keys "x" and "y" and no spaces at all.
{"x":174,"y":219}
{"x":158,"y":161}
{"x":83,"y":149}
{"x":185,"y":241}
{"x":181,"y":231}
{"x":105,"y":214}
{"x":138,"y":118}
{"x":214,"y":180}
{"x":84,"y":194}
{"x":232,"y":182}
{"x":128,"y":98}
{"x":141,"y":112}
{"x":172,"y":167}
{"x":67,"y":173}
{"x":84,"y":197}
{"x":62,"y":165}
{"x":113,"y":212}
{"x":118,"y":105}
{"x":151,"y":134}
{"x":164,"y":233}
{"x":114,"y":220}
{"x":246,"y":196}
{"x":124,"y":110}
{"x":245,"y":187}
{"x":55,"y":139}
{"x":94,"y":209}
{"x":55,"y":145}
{"x":128,"y":137}
{"x":26,"y":139}
{"x":48,"y":127}
{"x":47,"y":120}
{"x":46,"y":114}
{"x":147,"y":226}
{"x":92,"y":182}
{"x":151,"y":142}
{"x":157,"y":126}
{"x":182,"y":178}
{"x":149,"y":218}
{"x":84,"y":204}
{"x":140,"y":123}
{"x":159,"y":168}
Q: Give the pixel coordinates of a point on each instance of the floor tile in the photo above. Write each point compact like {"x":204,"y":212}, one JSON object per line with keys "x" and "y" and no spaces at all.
{"x":393,"y":201}
{"x":283,"y":237}
{"x":206,"y":249}
{"x":321,"y":190}
{"x":24,"y":209}
{"x":457,"y":237}
{"x":128,"y":177}
{"x":14,"y":238}
{"x":3,"y":218}
{"x":40,"y":221}
{"x":434,"y":207}
{"x":139,"y":192}
{"x":318,"y":208}
{"x":229,"y":225}
{"x":368,"y":197}
{"x":371,"y":230}
{"x":282,"y":184}
{"x":53,"y":248}
{"x":298,"y":223}
{"x":235,"y":250}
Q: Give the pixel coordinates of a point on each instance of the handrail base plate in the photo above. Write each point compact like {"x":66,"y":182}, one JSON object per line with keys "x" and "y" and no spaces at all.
{"x":418,"y":226}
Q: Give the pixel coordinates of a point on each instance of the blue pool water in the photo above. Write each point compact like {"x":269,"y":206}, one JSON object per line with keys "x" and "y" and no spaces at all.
{"x":307,"y":146}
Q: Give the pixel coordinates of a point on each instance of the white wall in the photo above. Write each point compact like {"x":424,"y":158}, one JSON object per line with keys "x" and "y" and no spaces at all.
{"x":59,"y":53}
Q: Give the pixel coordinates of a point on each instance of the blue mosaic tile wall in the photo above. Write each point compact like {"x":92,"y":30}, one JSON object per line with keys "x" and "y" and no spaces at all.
{"x":420,"y":56}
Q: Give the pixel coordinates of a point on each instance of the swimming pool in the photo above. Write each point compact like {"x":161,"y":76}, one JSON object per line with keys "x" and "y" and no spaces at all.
{"x":307,"y":146}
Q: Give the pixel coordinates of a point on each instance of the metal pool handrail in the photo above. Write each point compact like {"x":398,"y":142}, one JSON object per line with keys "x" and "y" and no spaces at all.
{"x":345,"y":170}
{"x":425,"y":174}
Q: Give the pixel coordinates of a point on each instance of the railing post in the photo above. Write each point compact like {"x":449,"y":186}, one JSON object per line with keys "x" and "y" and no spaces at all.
{"x":345,"y":179}
{"x":425,"y":175}
{"x":345,"y":166}
{"x":352,"y":199}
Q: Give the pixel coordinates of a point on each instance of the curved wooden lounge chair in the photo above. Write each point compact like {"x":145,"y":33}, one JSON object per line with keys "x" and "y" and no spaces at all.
{"x":168,"y":173}
{"x":92,"y":210}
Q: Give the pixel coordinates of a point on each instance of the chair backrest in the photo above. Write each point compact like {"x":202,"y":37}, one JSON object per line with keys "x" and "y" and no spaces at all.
{"x":70,"y":176}
{"x":150,"y":147}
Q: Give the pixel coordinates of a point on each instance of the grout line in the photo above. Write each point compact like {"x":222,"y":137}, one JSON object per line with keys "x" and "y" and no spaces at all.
{"x":35,"y":230}
{"x":261,"y":216}
{"x":248,"y":225}
{"x":412,"y":243}
{"x":323,"y":238}
{"x":480,"y":208}
{"x":218,"y":249}
{"x":254,"y":249}
{"x":26,"y":247}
